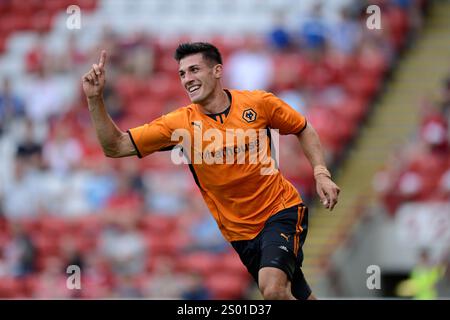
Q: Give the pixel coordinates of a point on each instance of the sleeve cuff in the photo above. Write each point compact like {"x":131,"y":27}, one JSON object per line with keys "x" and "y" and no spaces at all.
{"x":134,"y":144}
{"x":304,"y":127}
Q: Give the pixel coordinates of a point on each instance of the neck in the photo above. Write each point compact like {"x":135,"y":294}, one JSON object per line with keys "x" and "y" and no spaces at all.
{"x":216,"y":103}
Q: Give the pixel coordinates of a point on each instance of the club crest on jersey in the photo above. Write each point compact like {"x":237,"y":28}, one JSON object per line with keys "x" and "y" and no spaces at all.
{"x":249,"y":115}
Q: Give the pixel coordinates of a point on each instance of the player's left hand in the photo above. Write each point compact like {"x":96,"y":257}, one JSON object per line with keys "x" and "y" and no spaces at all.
{"x":328,"y":191}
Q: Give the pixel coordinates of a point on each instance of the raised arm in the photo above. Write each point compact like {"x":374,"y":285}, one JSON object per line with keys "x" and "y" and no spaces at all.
{"x":115,"y":143}
{"x":328,"y":191}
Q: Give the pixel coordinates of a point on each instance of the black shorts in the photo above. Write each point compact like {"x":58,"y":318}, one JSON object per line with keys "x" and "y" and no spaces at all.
{"x":279,"y":245}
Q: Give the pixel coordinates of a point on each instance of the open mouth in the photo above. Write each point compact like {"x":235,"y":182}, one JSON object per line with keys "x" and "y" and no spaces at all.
{"x":193,"y":89}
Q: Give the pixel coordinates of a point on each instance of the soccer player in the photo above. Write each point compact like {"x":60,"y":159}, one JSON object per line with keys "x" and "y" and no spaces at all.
{"x":261,"y":214}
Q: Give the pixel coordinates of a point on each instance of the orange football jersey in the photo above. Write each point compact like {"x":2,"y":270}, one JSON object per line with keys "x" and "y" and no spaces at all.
{"x":240,"y":197}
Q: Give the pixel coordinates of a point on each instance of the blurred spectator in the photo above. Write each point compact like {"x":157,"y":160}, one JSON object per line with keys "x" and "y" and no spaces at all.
{"x":167,"y":191}
{"x":114,"y":103}
{"x":443,"y":285}
{"x":434,"y":130}
{"x":423,"y":279}
{"x":11,"y":105}
{"x":99,"y":186}
{"x":296,"y":99}
{"x":4,"y":270}
{"x":165,"y":282}
{"x":137,"y":54}
{"x":421,"y":173}
{"x":124,"y":247}
{"x":52,"y":281}
{"x":195,"y":288}
{"x":126,"y":287}
{"x":29,"y":149}
{"x":44,"y":97}
{"x":124,"y":201}
{"x":446,"y":99}
{"x":72,"y":58}
{"x":444,"y":186}
{"x":22,"y":192}
{"x":279,"y":37}
{"x":375,"y":49}
{"x":97,"y":278}
{"x":63,"y":151}
{"x":385,"y":180}
{"x":20,"y":252}
{"x":203,"y":231}
{"x":134,"y":176}
{"x":70,"y":253}
{"x":346,"y":33}
{"x":250,"y":68}
{"x":36,"y":57}
{"x":313,"y":29}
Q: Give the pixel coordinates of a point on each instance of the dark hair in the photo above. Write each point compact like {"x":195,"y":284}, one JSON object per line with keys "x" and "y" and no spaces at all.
{"x":208,"y":51}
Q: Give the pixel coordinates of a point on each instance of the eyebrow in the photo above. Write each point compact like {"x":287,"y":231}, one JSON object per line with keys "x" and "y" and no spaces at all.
{"x":190,"y":67}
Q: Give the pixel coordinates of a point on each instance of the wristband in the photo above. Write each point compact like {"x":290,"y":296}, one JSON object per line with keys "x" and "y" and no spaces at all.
{"x":319,"y":169}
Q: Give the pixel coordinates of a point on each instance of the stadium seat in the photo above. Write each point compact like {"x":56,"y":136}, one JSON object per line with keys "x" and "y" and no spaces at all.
{"x":46,"y":245}
{"x":361,"y":85}
{"x":204,"y":263}
{"x":10,"y":288}
{"x":226,"y":286}
{"x":230,"y":262}
{"x":157,"y":224}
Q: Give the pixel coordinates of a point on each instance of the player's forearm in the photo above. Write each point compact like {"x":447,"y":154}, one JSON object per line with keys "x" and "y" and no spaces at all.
{"x":310,"y":142}
{"x":108,"y":134}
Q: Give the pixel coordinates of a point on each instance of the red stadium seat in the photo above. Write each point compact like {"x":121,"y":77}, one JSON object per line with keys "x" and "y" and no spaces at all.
{"x":90,"y":223}
{"x":19,"y":7}
{"x":29,"y":285}
{"x":157,"y":224}
{"x":56,"y":6}
{"x":145,"y":109}
{"x":46,"y":245}
{"x":87,"y":5}
{"x":41,"y":21}
{"x":3,"y":38}
{"x":361,"y":85}
{"x":230,"y":262}
{"x":5,"y":8}
{"x":226,"y":286}
{"x":204,"y":263}
{"x":170,"y":243}
{"x":8,"y":24}
{"x":52,"y":226}
{"x":10,"y":288}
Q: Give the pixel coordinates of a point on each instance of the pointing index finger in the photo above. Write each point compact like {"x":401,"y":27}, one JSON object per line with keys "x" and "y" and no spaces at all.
{"x":101,"y":64}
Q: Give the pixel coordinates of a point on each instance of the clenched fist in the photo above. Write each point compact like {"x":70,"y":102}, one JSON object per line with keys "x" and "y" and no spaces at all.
{"x":94,"y":80}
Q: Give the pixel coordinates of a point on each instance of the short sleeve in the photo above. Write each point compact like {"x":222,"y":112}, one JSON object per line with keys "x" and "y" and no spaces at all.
{"x":156,"y":135}
{"x":282,"y":116}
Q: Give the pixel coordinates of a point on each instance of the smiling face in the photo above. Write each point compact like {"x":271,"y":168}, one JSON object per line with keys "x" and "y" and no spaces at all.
{"x":199,"y":77}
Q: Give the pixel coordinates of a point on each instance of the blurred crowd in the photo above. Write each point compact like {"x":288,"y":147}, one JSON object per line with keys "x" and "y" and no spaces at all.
{"x":420,"y":170}
{"x":138,"y":228}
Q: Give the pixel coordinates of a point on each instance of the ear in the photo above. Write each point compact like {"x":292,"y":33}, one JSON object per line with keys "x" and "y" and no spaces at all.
{"x":217,"y":71}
